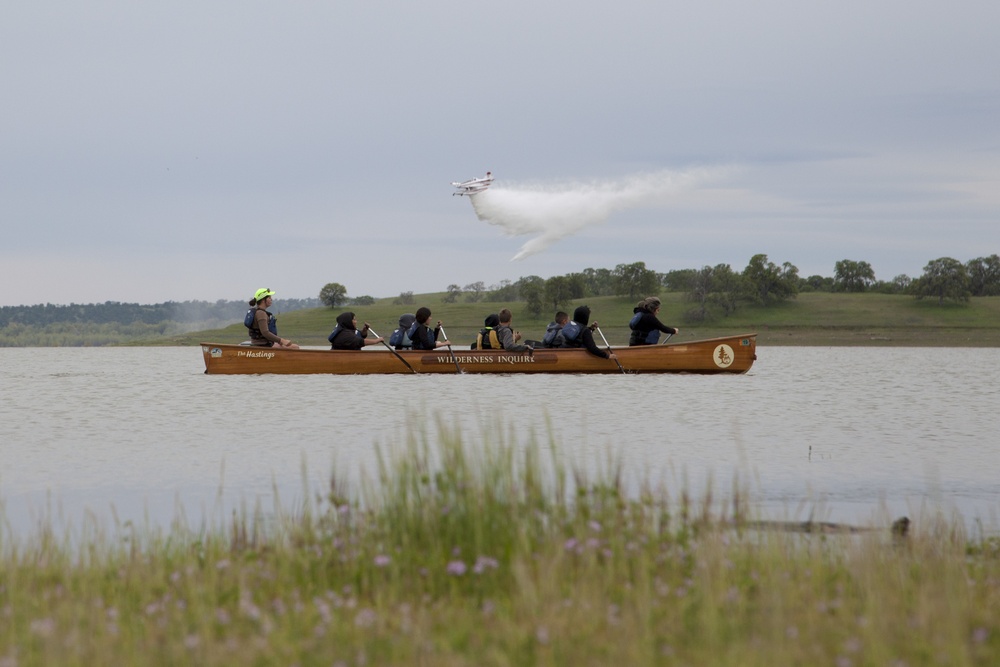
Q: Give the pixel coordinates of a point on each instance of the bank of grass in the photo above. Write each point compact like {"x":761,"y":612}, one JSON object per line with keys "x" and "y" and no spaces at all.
{"x":815,"y":318}
{"x":462,"y":556}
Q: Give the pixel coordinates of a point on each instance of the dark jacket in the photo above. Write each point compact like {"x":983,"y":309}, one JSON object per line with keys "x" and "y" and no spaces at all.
{"x":647,"y":324}
{"x":423,"y":336}
{"x":345,"y":336}
{"x":586,"y":336}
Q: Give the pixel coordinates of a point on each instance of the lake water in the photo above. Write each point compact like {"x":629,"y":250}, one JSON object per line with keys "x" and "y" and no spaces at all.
{"x":859,"y":435}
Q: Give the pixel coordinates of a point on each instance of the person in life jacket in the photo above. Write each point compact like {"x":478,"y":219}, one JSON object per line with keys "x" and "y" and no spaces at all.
{"x":399,"y":338}
{"x":487,"y":338}
{"x":553,"y":333}
{"x":346,"y":336}
{"x":508,"y":337}
{"x":262,"y":324}
{"x":577,"y":333}
{"x":645,"y":324}
{"x":423,"y":337}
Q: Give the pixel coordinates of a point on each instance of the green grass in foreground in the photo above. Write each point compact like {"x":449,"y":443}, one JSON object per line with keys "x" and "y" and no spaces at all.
{"x":459,"y":556}
{"x":814,"y":318}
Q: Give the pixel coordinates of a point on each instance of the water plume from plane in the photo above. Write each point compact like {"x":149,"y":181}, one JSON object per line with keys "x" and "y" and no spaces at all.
{"x":555,"y":212}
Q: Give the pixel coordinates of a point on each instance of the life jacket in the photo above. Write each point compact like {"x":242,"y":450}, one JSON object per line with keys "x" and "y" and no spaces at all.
{"x":337,"y":330}
{"x":571,"y":334}
{"x":419,"y":344}
{"x":488,"y":340}
{"x":553,"y":336}
{"x":640,"y":337}
{"x":250,"y":322}
{"x":400,"y":339}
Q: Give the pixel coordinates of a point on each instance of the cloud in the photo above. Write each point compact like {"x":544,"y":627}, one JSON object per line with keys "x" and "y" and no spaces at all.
{"x":555,"y":212}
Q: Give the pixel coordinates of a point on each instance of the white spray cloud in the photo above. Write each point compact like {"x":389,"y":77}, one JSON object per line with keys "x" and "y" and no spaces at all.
{"x":553,"y":213}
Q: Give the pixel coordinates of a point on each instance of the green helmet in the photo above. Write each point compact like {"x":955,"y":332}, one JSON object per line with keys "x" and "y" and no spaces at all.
{"x":262,"y":294}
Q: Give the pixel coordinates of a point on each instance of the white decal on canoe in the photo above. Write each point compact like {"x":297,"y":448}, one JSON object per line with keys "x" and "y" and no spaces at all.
{"x":253,"y":354}
{"x":723,"y":356}
{"x":215,"y":353}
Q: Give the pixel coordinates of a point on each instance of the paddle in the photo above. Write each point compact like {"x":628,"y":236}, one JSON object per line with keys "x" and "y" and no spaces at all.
{"x":609,"y":349}
{"x":458,"y":369}
{"x":389,"y":347}
{"x":664,"y":341}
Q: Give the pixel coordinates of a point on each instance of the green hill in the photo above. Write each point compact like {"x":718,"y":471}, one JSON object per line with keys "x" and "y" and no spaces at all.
{"x":814,"y":318}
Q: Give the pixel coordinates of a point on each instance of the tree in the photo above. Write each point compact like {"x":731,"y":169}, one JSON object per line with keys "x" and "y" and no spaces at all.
{"x":505,"y":290}
{"x":944,"y":278}
{"x":532,"y":290}
{"x":634,"y":280}
{"x":984,"y":275}
{"x":679,"y":280}
{"x":599,"y":282}
{"x":475,"y":291}
{"x":333,"y":294}
{"x":699,"y":285}
{"x":365,"y":300}
{"x":404,"y":298}
{"x":898,"y":285}
{"x":453,"y":293}
{"x":728,"y":287}
{"x":557,"y":291}
{"x":816,"y":283}
{"x":577,"y":284}
{"x":768,"y":283}
{"x":851,"y":276}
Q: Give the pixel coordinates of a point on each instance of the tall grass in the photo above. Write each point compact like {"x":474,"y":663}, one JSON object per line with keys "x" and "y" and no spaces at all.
{"x":456,"y":553}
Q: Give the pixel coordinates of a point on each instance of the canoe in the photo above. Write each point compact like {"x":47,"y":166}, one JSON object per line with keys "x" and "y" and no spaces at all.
{"x":729,"y":354}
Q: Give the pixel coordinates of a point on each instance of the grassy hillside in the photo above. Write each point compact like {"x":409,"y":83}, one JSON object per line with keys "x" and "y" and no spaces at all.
{"x":815,"y":318}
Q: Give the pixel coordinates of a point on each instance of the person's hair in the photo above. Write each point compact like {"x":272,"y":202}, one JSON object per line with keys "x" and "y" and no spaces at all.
{"x":423,"y":314}
{"x":562,"y":317}
{"x":505,"y":315}
{"x":650,"y":303}
{"x":253,"y":302}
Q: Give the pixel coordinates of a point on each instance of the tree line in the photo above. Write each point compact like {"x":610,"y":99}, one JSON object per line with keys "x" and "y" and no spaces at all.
{"x":113,"y":322}
{"x":716,"y":289}
{"x":711,"y":290}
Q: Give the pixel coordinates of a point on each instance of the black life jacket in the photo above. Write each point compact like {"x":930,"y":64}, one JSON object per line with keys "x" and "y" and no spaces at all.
{"x":488,"y":340}
{"x":640,"y":337}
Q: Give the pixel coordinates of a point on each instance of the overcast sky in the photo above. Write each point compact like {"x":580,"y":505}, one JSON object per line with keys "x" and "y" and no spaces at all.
{"x":200,"y":150}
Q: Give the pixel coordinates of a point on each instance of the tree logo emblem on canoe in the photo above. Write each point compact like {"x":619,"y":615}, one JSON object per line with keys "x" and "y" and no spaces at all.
{"x":723,"y":356}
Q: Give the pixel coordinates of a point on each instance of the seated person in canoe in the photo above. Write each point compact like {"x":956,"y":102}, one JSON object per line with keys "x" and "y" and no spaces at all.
{"x":423,"y":337}
{"x":578,"y":333}
{"x":261,"y":323}
{"x":346,"y":336}
{"x":645,"y":324}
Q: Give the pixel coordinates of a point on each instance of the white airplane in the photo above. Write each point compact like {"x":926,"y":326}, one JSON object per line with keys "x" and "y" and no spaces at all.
{"x":475,"y":186}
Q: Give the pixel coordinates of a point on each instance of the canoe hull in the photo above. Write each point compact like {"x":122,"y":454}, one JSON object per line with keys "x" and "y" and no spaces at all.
{"x":731,"y":354}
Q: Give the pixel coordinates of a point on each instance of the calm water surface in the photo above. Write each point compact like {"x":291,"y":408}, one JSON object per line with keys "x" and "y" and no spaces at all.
{"x":851,"y":434}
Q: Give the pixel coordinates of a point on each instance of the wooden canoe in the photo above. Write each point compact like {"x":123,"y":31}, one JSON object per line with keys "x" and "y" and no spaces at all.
{"x":730,"y":354}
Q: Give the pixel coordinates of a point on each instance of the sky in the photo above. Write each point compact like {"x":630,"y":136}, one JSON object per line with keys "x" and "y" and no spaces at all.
{"x":180,"y":151}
